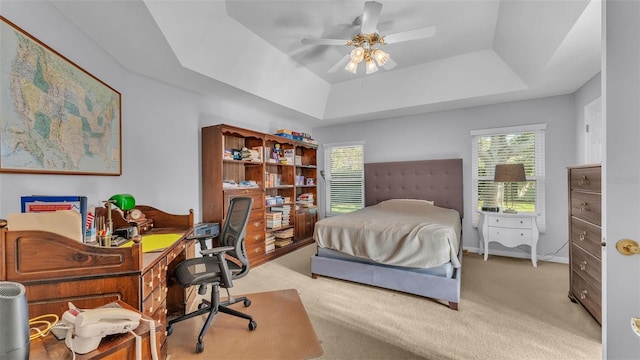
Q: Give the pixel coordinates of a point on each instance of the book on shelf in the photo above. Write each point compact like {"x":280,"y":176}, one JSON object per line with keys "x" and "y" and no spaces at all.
{"x":282,"y":242}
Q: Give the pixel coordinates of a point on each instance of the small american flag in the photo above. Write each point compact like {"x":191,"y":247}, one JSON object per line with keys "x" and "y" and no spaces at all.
{"x":90,"y":217}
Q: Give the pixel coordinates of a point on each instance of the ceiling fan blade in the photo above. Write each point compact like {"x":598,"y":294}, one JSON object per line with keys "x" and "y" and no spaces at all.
{"x":370,"y":17}
{"x":390,"y":64}
{"x":324,"y":41}
{"x":422,"y":33}
{"x":339,"y":64}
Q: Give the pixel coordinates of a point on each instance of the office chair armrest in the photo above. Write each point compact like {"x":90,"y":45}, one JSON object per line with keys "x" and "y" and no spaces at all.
{"x":216,"y":250}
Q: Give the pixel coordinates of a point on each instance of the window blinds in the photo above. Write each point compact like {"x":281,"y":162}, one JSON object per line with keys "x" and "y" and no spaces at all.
{"x":344,"y":177}
{"x":511,"y":145}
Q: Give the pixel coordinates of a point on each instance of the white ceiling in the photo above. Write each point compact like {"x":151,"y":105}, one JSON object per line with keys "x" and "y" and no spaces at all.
{"x":484,"y":51}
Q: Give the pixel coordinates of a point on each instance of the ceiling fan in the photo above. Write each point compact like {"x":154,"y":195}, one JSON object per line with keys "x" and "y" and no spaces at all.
{"x":365,"y":41}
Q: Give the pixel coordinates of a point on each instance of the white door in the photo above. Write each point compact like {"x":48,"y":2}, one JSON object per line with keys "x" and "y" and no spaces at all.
{"x":621,"y":172}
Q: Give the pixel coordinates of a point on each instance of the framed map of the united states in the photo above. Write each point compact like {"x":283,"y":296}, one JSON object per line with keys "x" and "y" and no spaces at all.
{"x":55,"y":117}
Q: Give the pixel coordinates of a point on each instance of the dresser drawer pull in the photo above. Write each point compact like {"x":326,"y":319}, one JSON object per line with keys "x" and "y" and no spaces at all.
{"x":583,"y":181}
{"x":583,"y":294}
{"x":583,"y":206}
{"x":583,"y":265}
{"x":257,"y":250}
{"x":583,"y":236}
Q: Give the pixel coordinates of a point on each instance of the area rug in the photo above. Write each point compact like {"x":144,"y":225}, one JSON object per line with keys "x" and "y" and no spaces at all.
{"x":284,"y":331}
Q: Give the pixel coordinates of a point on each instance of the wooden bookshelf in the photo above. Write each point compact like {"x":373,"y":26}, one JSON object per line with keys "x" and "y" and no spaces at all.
{"x":274,"y":171}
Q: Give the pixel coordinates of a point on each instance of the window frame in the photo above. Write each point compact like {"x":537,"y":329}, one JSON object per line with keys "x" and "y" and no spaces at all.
{"x":539,"y":175}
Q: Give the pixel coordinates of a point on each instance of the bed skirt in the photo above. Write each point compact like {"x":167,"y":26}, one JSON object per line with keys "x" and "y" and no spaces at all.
{"x":394,"y":278}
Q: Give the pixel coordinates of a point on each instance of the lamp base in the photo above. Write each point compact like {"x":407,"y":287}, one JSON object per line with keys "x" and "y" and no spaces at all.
{"x":510,"y":211}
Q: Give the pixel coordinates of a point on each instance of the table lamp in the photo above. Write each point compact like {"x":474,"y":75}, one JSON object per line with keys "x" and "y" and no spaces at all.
{"x":123,"y":202}
{"x":509,"y":173}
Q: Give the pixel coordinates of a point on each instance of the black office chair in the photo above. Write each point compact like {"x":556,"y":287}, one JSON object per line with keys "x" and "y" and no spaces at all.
{"x":218,"y":267}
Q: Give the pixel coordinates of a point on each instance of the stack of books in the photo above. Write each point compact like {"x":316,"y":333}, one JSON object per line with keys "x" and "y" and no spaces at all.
{"x":270,"y":243}
{"x":285,"y":211}
{"x":283,"y":237}
{"x":274,"y":220}
{"x":305,"y":200}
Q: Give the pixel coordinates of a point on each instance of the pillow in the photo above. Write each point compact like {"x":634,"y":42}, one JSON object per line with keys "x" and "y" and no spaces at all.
{"x":430,"y":202}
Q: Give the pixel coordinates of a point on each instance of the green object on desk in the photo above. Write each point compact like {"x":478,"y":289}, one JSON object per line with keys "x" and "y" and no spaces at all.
{"x":124,"y":202}
{"x":156,"y":242}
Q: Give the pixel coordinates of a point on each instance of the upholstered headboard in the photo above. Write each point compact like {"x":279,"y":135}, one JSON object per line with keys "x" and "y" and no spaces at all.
{"x":437,"y":180}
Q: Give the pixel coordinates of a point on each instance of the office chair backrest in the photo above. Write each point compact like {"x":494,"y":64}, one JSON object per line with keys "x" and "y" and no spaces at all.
{"x":234,"y":230}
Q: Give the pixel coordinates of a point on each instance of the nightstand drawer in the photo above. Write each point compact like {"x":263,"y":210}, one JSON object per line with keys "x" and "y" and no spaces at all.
{"x":510,"y":237}
{"x":509,"y":222}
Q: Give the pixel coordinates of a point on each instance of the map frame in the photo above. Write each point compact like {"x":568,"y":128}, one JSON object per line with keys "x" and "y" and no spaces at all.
{"x":112,"y":152}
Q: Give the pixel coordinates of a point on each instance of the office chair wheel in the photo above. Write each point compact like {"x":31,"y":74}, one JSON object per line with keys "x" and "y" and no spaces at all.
{"x":169,"y":330}
{"x":199,"y":347}
{"x":253,"y":325}
{"x":247,"y":302}
{"x":201,"y":305}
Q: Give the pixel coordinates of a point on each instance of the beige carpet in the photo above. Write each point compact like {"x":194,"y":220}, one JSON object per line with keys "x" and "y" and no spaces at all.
{"x":509,"y":310}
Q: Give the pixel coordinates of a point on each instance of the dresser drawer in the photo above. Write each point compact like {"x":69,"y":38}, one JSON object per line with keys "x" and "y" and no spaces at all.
{"x":587,"y":236}
{"x":589,"y":295}
{"x":586,"y":206}
{"x":586,"y":265}
{"x":509,"y":222}
{"x":588,"y":179}
{"x":256,"y":194}
{"x":254,"y":237}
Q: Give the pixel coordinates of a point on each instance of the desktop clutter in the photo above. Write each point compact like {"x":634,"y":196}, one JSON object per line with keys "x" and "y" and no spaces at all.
{"x":81,"y":329}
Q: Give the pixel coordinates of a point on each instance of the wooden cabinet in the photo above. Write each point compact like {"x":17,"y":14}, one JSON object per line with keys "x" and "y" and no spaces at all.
{"x":585,"y":234}
{"x":275,"y":171}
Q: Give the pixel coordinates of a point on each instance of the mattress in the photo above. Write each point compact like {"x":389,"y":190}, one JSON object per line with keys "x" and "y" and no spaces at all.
{"x":398,"y":232}
{"x":445,"y":270}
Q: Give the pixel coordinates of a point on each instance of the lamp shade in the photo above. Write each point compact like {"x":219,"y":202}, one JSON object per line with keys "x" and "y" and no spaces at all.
{"x":509,"y":173}
{"x":123,"y":201}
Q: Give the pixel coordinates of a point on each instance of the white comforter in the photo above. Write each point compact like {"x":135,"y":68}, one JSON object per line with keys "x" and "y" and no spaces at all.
{"x":401,"y":232}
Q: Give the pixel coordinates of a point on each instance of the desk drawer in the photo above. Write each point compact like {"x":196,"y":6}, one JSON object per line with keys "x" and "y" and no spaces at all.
{"x":510,"y":222}
{"x":152,"y":303}
{"x":152,"y":278}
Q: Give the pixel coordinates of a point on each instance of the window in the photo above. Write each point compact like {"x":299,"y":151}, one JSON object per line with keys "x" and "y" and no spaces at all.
{"x":513,"y":145}
{"x":344,"y":176}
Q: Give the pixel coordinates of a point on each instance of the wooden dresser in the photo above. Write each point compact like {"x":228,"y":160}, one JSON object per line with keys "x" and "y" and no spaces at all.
{"x":585,"y":237}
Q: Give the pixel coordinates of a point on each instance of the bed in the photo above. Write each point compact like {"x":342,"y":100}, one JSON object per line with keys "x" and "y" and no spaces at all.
{"x":397,"y":193}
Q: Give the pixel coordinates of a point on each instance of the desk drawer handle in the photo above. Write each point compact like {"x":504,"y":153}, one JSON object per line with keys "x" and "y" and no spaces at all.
{"x":150,"y":310}
{"x":159,"y":298}
{"x":150,"y":284}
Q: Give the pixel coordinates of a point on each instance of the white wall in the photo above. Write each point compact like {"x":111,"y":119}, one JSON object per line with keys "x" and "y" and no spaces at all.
{"x":583,"y":96}
{"x":446,"y":134}
{"x":160,"y":126}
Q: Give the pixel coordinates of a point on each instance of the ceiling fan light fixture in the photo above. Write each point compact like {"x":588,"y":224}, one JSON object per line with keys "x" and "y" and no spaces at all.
{"x":357,"y":54}
{"x":380,"y":56}
{"x":370,"y":66}
{"x":352,"y":66}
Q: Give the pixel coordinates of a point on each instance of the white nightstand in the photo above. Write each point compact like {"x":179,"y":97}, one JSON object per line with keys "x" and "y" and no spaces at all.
{"x":509,"y":230}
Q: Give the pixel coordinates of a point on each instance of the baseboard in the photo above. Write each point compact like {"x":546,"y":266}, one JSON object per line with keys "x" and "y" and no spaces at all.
{"x":520,"y":254}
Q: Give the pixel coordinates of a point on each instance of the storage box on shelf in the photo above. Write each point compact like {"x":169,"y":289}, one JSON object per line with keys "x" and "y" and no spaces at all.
{"x":274,"y":170}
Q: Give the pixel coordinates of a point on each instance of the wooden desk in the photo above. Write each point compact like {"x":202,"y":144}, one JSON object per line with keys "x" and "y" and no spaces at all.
{"x":56,"y":270}
{"x":112,"y":347}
